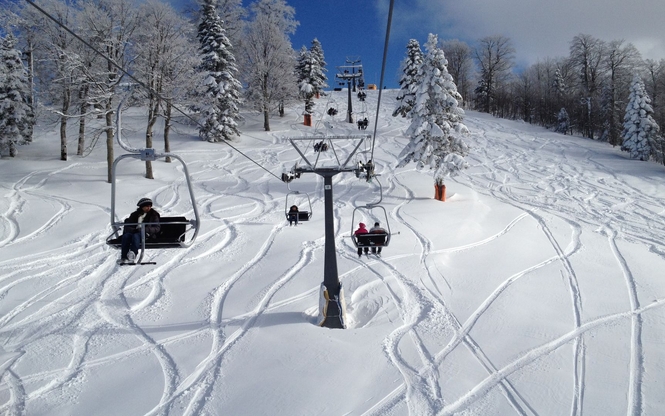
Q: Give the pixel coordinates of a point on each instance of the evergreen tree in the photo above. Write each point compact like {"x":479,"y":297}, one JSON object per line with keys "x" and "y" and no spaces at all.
{"x":306,"y":78}
{"x":409,"y":68}
{"x":221,"y":114}
{"x":563,"y":122}
{"x":559,"y":84}
{"x":16,"y":115}
{"x":640,"y":130}
{"x":319,"y":77}
{"x":436,"y":118}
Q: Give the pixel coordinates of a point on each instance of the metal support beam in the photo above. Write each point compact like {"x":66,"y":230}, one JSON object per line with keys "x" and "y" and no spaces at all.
{"x":349,"y":111}
{"x":332,"y":301}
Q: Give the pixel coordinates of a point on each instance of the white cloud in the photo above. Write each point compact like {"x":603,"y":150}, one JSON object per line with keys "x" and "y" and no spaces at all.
{"x":539,"y":29}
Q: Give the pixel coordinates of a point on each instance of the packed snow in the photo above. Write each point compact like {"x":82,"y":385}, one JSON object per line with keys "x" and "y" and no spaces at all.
{"x":536,"y":288}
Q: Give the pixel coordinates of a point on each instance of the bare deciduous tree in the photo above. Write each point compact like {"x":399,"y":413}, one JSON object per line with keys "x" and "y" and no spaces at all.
{"x":495,"y":57}
{"x":268,"y":58}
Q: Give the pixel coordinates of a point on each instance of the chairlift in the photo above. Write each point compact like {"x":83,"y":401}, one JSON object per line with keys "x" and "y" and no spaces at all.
{"x":321,"y":146}
{"x":302,"y":215}
{"x":363,"y":121}
{"x":175,"y":231}
{"x":371,"y":239}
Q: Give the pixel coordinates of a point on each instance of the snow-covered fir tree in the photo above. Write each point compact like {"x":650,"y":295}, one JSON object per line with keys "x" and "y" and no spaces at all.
{"x":16,"y":115}
{"x":409,"y":69}
{"x":562,"y":121}
{"x":319,"y":70}
{"x":436,"y":119}
{"x":222,"y":90}
{"x":559,"y":84}
{"x":306,"y":79}
{"x":640,"y":130}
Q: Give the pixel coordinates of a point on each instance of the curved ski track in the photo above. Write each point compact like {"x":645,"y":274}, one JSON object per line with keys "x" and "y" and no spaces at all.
{"x":80,"y":285}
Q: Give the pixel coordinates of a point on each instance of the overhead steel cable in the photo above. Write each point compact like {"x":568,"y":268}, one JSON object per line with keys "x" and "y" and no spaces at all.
{"x":383,"y":71}
{"x":139,"y":82}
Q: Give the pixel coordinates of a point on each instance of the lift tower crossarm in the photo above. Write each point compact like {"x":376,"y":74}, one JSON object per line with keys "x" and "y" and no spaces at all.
{"x":341,"y":167}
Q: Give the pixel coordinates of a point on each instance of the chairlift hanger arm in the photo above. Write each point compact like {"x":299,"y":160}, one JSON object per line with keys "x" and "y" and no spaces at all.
{"x":196,"y":222}
{"x":360,"y":142}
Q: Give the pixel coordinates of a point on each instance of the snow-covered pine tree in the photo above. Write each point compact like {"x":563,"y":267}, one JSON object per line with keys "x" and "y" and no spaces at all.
{"x":306,"y":78}
{"x":319,"y":69}
{"x":640,"y":130}
{"x":562,"y":121}
{"x":409,"y":68}
{"x":16,"y":115}
{"x":221,"y":113}
{"x":436,"y":119}
{"x":558,"y":84}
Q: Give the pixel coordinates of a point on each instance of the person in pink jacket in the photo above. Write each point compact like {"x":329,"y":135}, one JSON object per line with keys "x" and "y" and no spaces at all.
{"x":360,"y":233}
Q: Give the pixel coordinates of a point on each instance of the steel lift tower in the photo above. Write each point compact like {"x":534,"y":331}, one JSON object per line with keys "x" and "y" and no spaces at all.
{"x":353,"y":75}
{"x":332,"y":306}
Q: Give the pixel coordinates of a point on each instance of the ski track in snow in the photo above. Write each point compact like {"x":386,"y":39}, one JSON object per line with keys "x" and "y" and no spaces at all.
{"x":90,"y":292}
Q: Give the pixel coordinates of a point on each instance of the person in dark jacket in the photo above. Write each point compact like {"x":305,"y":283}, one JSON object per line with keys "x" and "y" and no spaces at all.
{"x":380,"y":239}
{"x":131,"y":233}
{"x":293,"y":215}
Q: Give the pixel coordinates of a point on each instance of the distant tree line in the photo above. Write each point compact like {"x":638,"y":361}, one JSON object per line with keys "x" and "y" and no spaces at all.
{"x":586,"y":93}
{"x":209,"y":61}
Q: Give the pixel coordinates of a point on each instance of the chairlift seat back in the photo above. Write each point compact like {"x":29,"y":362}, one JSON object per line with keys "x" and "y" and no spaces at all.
{"x":371,"y":240}
{"x":171,"y":234}
{"x":304,"y":215}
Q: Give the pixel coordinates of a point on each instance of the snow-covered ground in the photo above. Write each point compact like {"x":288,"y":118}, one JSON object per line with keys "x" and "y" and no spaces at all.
{"x":535,"y":289}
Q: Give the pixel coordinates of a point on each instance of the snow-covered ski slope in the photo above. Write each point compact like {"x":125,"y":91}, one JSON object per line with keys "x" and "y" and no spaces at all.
{"x":537,"y":288}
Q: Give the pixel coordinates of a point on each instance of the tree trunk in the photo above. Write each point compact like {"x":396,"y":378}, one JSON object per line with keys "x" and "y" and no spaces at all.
{"x":266,"y":120}
{"x":12,"y":149}
{"x":83,"y":96}
{"x":266,"y":105}
{"x":31,"y":73}
{"x":63,"y":138}
{"x":66,"y":99}
{"x":167,"y":130}
{"x":109,"y":139}
{"x":153,"y":106}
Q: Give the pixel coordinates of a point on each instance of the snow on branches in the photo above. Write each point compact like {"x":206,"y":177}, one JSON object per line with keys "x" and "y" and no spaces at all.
{"x":16,"y":114}
{"x":221,"y":114}
{"x":640,"y":130}
{"x":436,"y":118}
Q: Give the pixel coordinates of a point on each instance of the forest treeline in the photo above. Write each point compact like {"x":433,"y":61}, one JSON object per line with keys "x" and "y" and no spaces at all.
{"x":587,"y":92}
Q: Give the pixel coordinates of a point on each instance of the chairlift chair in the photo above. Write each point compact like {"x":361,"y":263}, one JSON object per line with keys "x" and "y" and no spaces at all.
{"x":363,"y":123}
{"x":321,"y":146}
{"x":175,"y":231}
{"x":370,"y":240}
{"x":302,"y":215}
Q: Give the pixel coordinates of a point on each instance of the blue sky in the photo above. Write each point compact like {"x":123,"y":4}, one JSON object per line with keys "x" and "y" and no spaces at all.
{"x":541,"y":29}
